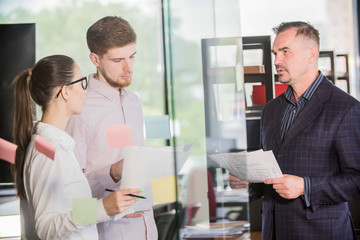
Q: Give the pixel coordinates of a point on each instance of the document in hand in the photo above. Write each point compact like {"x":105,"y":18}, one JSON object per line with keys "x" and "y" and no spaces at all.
{"x":254,"y":166}
{"x":144,"y":163}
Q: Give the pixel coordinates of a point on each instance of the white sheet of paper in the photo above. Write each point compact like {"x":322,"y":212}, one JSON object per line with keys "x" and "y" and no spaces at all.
{"x":143,"y":163}
{"x":254,"y":166}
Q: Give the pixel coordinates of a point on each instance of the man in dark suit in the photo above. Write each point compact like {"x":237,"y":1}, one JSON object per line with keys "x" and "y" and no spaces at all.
{"x":313,"y":130}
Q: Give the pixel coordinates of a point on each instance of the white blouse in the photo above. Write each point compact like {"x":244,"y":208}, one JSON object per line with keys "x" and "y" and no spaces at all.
{"x":51,"y":186}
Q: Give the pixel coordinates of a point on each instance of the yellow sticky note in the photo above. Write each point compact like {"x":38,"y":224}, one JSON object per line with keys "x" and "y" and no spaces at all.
{"x":84,"y":210}
{"x":164,"y":190}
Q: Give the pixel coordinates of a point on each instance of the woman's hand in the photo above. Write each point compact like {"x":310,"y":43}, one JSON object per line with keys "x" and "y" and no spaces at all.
{"x":119,"y":201}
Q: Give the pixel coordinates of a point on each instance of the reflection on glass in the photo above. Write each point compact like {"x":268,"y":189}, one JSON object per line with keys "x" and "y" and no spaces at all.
{"x":224,"y":95}
{"x":222,"y":56}
{"x":224,"y":103}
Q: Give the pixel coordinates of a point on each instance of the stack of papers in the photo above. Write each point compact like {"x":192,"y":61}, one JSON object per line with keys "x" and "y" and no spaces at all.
{"x":216,"y":229}
{"x":254,"y":166}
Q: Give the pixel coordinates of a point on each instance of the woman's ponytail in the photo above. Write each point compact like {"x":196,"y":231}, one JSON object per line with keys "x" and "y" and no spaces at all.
{"x":22,"y":126}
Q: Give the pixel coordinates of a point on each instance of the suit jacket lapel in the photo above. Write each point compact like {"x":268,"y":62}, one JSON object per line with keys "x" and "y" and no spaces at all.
{"x":311,"y":110}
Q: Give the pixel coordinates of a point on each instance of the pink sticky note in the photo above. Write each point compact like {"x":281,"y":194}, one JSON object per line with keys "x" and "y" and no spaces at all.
{"x":119,"y":136}
{"x":45,"y":147}
{"x":7,"y":151}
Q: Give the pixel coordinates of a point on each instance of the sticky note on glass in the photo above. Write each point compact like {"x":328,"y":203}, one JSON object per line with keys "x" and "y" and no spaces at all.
{"x":45,"y":147}
{"x":84,"y":210}
{"x":164,"y":190}
{"x":157,"y":127}
{"x":119,"y":136}
{"x":7,"y":151}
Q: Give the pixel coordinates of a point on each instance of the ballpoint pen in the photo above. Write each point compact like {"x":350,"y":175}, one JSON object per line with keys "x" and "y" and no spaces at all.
{"x":132,"y":195}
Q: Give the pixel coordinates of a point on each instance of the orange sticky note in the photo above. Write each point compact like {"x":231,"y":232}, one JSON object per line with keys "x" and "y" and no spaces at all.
{"x":119,"y":136}
{"x":45,"y":147}
{"x":7,"y":151}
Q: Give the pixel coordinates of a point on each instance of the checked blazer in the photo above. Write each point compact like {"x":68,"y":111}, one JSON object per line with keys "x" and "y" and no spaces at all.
{"x":323,"y":143}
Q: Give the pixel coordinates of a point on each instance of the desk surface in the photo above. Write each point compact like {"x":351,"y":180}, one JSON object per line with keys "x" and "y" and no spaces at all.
{"x":9,"y":217}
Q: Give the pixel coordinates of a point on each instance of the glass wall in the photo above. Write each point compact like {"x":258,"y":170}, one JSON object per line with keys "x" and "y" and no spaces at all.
{"x":208,"y":103}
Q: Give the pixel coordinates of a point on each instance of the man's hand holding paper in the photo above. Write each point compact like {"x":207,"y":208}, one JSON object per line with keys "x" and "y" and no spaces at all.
{"x":237,"y":183}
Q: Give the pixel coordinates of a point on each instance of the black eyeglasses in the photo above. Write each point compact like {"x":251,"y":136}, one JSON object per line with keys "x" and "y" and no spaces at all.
{"x":84,"y":84}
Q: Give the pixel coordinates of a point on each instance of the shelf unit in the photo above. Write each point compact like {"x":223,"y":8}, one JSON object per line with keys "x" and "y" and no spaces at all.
{"x":330,"y":74}
{"x":263,"y":77}
{"x":344,"y":76}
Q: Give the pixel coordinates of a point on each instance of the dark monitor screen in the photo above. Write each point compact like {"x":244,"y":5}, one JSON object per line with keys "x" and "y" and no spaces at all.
{"x":17,"y":47}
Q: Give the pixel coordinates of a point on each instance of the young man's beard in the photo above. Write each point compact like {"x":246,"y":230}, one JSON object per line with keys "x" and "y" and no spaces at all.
{"x":112,"y":82}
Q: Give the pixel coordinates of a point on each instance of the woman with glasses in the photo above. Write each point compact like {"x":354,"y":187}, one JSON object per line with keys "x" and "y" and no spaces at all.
{"x":47,"y":187}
